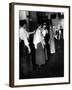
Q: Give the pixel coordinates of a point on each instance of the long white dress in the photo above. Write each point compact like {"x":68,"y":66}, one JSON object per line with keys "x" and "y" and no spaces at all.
{"x":51,"y":42}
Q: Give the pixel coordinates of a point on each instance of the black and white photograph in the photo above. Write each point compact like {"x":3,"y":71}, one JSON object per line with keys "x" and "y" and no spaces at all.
{"x":41,"y":44}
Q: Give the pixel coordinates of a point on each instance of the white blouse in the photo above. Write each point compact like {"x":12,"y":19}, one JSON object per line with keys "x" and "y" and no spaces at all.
{"x":24,"y":35}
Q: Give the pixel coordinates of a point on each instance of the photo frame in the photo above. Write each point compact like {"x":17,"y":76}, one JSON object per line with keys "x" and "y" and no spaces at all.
{"x":34,"y":14}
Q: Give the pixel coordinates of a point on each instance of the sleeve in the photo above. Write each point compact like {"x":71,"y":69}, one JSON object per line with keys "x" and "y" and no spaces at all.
{"x":21,"y":34}
{"x":23,"y":37}
{"x":34,"y":41}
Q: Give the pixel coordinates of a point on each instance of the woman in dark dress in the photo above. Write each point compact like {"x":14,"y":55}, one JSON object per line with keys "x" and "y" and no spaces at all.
{"x":44,"y":33}
{"x":24,"y":48}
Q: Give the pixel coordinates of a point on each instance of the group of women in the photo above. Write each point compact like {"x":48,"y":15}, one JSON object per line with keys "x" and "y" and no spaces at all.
{"x":40,"y":43}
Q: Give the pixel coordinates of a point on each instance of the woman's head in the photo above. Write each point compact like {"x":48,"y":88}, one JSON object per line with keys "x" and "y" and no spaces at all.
{"x":23,"y":23}
{"x":44,"y":25}
{"x":39,"y":26}
{"x":50,"y":27}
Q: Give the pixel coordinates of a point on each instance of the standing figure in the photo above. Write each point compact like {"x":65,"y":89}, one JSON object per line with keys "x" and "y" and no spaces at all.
{"x":44,"y":33}
{"x":24,"y":48}
{"x":60,"y":36}
{"x":39,"y":47}
{"x":51,"y":41}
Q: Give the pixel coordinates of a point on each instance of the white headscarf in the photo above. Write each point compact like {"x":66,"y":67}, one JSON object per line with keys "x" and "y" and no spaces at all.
{"x":38,"y":38}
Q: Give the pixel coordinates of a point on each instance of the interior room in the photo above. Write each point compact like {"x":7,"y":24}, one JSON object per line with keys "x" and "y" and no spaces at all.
{"x":54,"y":66}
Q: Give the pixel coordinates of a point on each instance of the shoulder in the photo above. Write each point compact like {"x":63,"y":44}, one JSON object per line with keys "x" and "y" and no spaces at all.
{"x":21,"y":29}
{"x":37,"y":30}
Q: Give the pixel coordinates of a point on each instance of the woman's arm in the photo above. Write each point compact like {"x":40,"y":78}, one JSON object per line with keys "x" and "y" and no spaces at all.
{"x":46,"y":31}
{"x":31,"y":32}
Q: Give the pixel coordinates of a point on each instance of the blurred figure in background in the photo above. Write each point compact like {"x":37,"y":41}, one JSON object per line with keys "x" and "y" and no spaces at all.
{"x":51,"y":40}
{"x":60,"y":35}
{"x":44,"y":33}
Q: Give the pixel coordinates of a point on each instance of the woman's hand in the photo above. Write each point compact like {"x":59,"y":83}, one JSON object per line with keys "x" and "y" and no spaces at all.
{"x":29,"y":50}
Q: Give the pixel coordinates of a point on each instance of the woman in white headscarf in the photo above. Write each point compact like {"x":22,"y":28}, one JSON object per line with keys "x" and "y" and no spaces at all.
{"x":39,"y":47}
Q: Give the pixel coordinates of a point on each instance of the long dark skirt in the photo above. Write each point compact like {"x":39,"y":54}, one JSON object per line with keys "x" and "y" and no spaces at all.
{"x":24,"y":57}
{"x":40,"y":57}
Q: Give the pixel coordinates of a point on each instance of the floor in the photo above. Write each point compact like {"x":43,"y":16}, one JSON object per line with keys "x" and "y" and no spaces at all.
{"x":54,"y":66}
